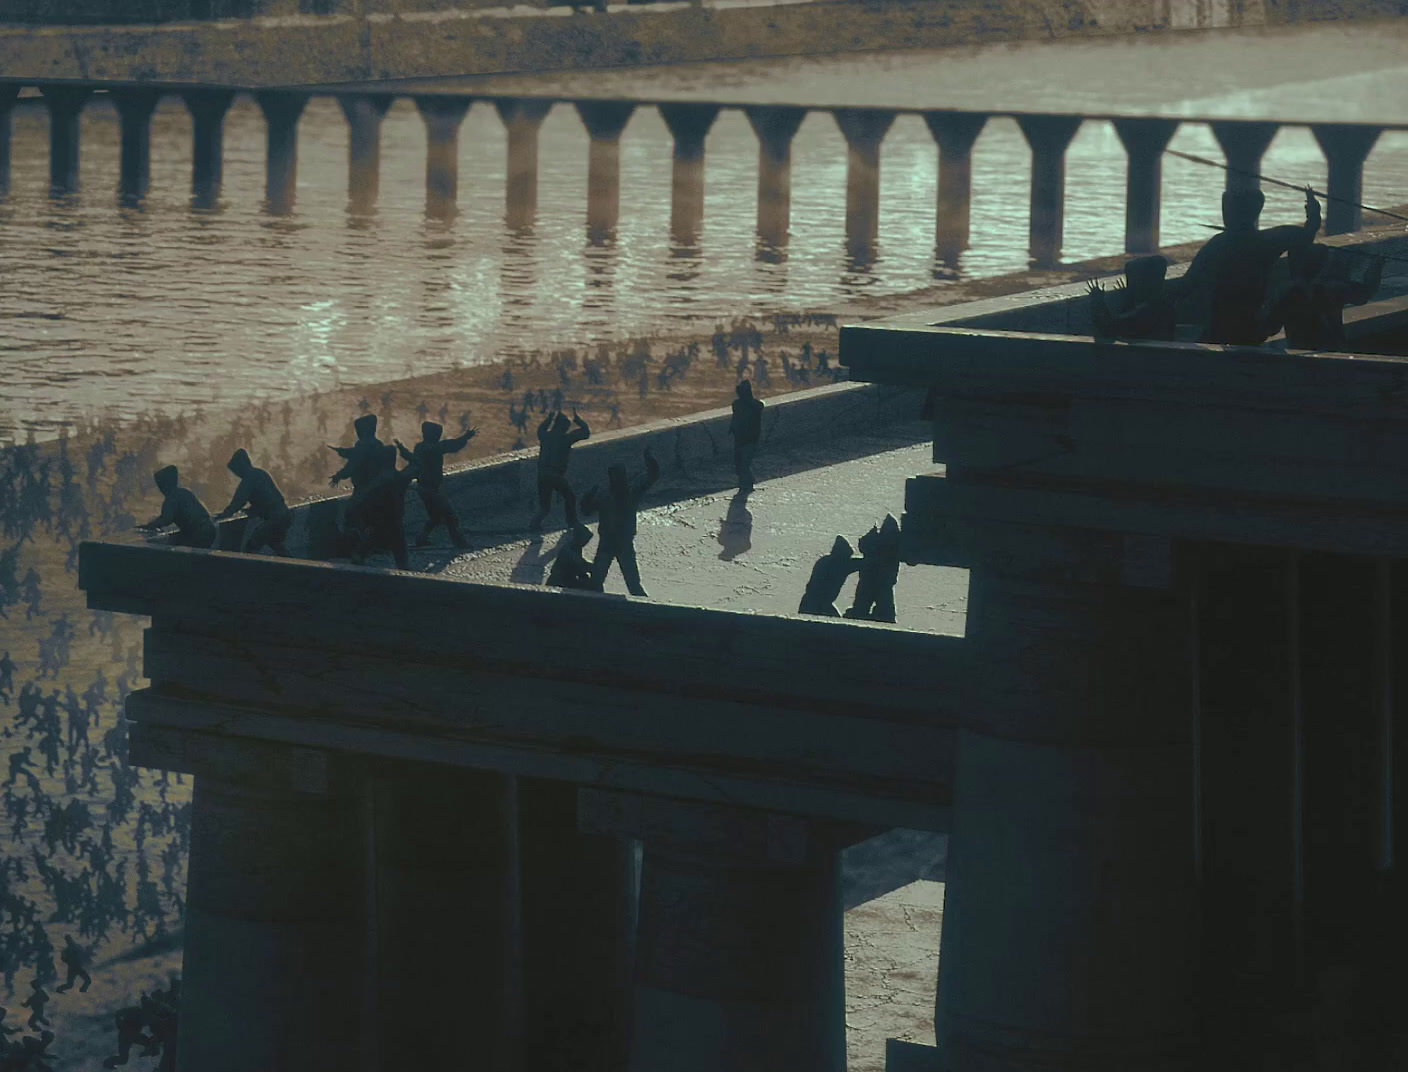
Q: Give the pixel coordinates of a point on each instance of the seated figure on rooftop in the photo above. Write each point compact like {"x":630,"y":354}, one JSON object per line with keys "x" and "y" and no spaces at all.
{"x":1142,"y":308}
{"x":1231,"y":274}
{"x":1311,"y":309}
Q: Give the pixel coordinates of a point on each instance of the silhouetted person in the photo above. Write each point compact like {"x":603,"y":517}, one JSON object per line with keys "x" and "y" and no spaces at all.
{"x":1312,"y":307}
{"x":265,"y":502}
{"x":556,"y":437}
{"x":616,"y":533}
{"x":19,"y":765}
{"x":429,"y":459}
{"x":879,"y":571}
{"x":828,"y":577}
{"x":75,"y":959}
{"x":379,"y":517}
{"x":1142,"y":309}
{"x":7,"y":677}
{"x":182,"y":509}
{"x":569,"y":568}
{"x":38,"y":998}
{"x":130,"y":1023}
{"x":361,"y":457}
{"x":746,"y":427}
{"x":1233,"y":269}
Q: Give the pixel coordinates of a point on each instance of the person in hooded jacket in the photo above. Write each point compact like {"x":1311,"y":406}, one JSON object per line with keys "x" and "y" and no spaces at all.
{"x":429,"y":460}
{"x":361,"y":457}
{"x":828,"y":576}
{"x":569,"y":568}
{"x":194,"y":528}
{"x":879,"y":572}
{"x":616,"y":533}
{"x":746,"y":427}
{"x":265,"y":502}
{"x":380,"y":515}
{"x":556,"y":437}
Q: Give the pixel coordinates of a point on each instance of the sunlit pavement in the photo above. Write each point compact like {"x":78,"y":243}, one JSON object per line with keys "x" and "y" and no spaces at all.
{"x":715,"y":549}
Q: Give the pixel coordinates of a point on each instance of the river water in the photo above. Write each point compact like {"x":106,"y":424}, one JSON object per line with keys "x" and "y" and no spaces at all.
{"x":116,"y":311}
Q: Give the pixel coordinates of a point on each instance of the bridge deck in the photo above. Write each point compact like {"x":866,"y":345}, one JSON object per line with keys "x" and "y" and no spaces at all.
{"x":1360,"y":76}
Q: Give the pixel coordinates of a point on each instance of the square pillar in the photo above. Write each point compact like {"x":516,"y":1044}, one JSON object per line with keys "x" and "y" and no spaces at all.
{"x":65,"y":105}
{"x":604,"y":120}
{"x":134,"y":109}
{"x":775,"y":128}
{"x":1346,"y":147}
{"x":864,"y":129}
{"x":523,"y":119}
{"x":443,"y":117}
{"x":1244,"y":144}
{"x":1144,"y":142}
{"x":740,"y":963}
{"x":281,"y":114}
{"x":8,"y":95}
{"x":273,"y":964}
{"x":364,"y":113}
{"x":689,"y":124}
{"x":207,"y":108}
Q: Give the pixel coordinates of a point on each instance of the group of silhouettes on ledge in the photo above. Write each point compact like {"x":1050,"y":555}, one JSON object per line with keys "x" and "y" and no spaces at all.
{"x":1227,"y":290}
{"x":374,"y":518}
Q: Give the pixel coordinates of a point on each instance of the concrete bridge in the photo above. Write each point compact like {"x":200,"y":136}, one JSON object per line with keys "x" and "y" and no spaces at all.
{"x":1167,"y":747}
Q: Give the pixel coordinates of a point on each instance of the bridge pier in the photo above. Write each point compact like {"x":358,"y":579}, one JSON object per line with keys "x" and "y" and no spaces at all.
{"x":1345,"y":148}
{"x":443,"y":117}
{"x":364,"y":113}
{"x":1048,"y":137}
{"x":1244,"y":144}
{"x":65,"y":105}
{"x":578,"y":898}
{"x":1144,"y":141}
{"x":8,"y":95}
{"x":281,"y":114}
{"x":604,"y":120}
{"x":272,"y":968}
{"x":1070,"y":917}
{"x":445,"y":919}
{"x":775,"y":128}
{"x":865,"y":130}
{"x":134,"y":109}
{"x":739,"y":951}
{"x":689,"y":124}
{"x":523,"y":119}
{"x":955,"y":133}
{"x":207,"y":108}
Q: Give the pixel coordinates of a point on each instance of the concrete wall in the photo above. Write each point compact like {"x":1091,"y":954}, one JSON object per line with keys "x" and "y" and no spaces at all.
{"x":358,"y":40}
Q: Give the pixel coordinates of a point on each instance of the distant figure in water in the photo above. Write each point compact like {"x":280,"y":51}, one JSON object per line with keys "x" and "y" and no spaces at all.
{"x":267,"y":509}
{"x":569,"y":568}
{"x":746,"y":427}
{"x":429,"y":460}
{"x":182,"y":509}
{"x":879,"y":572}
{"x":616,"y":534}
{"x":1232,"y":272}
{"x":1142,"y":309}
{"x":828,"y":576}
{"x":1311,"y":309}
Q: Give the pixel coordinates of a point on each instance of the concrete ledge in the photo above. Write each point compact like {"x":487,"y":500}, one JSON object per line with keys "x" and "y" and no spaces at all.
{"x":680,"y":444}
{"x":312,"y":50}
{"x":903,"y":1056}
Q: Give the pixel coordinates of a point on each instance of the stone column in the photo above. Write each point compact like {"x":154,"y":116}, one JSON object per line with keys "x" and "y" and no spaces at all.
{"x":864,"y":129}
{"x":775,"y":128}
{"x":689,"y":123}
{"x":272,"y":972}
{"x":1144,"y":142}
{"x":1048,"y":136}
{"x":1070,"y":914}
{"x":578,"y":893}
{"x":1346,"y":147}
{"x":1252,"y":783}
{"x":364,"y":112}
{"x":955,"y":133}
{"x":443,"y":117}
{"x":445,"y":919}
{"x":65,"y":107}
{"x":604,"y":120}
{"x":281,"y":114}
{"x":1244,"y":144}
{"x":523,"y":119}
{"x":207,"y":108}
{"x":134,"y":109}
{"x":8,"y":95}
{"x":740,"y":964}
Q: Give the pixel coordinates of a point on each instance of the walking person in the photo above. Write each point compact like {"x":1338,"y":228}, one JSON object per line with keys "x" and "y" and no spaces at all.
{"x":746,"y":427}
